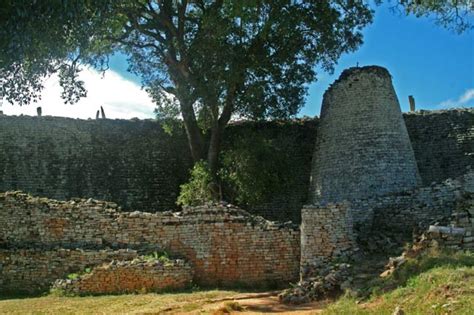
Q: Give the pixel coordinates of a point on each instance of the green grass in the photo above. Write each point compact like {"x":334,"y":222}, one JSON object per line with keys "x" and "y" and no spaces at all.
{"x":112,"y":304}
{"x":438,"y":282}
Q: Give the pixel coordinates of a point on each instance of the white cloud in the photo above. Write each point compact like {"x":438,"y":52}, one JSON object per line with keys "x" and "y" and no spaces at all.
{"x":467,"y":96}
{"x":120,"y":98}
{"x":462,"y":101}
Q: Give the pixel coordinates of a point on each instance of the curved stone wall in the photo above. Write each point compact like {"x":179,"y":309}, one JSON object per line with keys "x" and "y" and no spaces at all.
{"x":225,"y":245}
{"x":363,"y":148}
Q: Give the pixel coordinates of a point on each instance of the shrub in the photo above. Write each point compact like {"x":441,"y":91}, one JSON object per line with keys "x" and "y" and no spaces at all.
{"x":197,"y":191}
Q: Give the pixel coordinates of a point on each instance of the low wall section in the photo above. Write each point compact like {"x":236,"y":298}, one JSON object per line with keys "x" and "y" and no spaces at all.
{"x":420,"y":207}
{"x":326,"y":234}
{"x":225,"y":245}
{"x":35,"y":270}
{"x":136,"y":276}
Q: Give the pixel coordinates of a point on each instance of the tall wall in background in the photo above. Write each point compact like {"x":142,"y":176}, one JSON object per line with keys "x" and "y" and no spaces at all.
{"x":133,"y":163}
{"x":443,"y":142}
{"x":140,"y":167}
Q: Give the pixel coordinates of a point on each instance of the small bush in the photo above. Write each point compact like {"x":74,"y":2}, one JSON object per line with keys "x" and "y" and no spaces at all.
{"x":197,"y":191}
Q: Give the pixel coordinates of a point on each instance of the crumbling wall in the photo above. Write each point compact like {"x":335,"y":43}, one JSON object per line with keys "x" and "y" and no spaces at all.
{"x":136,"y":276}
{"x":34,"y":270}
{"x":418,"y":208}
{"x":326,"y":234}
{"x":225,"y":245}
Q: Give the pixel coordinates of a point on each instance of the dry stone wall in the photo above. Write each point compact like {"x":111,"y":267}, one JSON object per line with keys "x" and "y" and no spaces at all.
{"x":461,"y":220}
{"x":138,"y":166}
{"x":225,"y":245}
{"x":443,"y":142}
{"x":134,"y":163}
{"x":136,"y":276}
{"x":363,"y":148}
{"x":326,"y":234}
{"x":416,"y":209}
{"x":35,"y":270}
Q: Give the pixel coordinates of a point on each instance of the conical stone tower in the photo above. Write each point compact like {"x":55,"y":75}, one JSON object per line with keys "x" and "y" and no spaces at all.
{"x":363,"y":149}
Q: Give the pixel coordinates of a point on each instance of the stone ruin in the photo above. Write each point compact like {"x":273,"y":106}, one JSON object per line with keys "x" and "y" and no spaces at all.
{"x":364,"y":172}
{"x":362,"y":149}
{"x":364,"y":179}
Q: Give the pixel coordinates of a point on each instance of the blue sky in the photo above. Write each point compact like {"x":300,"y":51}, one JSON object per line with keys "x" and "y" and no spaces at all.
{"x":430,"y":62}
{"x":433,"y":64}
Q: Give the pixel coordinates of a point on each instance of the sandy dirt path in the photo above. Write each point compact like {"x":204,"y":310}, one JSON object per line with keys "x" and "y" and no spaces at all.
{"x":259,"y":303}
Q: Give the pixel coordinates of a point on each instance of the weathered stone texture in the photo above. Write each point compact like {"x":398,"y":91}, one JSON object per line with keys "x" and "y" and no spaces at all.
{"x":135,"y":276}
{"x":134,"y":163}
{"x":418,"y":208}
{"x":225,"y":245}
{"x":326,"y":234}
{"x":362,"y":148}
{"x":138,"y":166}
{"x":443,"y":142}
{"x":35,"y":270}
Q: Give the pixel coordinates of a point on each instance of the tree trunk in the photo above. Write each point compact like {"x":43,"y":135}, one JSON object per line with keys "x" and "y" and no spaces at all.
{"x":193,"y":133}
{"x":213,"y":160}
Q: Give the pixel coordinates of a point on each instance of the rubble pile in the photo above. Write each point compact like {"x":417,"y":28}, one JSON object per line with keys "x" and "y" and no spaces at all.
{"x":320,"y":280}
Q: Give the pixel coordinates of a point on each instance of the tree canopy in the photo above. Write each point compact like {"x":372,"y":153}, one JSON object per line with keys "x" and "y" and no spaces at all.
{"x":457,"y":15}
{"x":203,"y":60}
{"x":217,"y":59}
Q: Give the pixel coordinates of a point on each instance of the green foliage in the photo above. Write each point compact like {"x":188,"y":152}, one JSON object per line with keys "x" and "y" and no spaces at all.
{"x":73,"y":276}
{"x":197,"y":191}
{"x":39,"y":38}
{"x":255,"y":169}
{"x":455,"y":15}
{"x":202,"y":61}
{"x":77,"y":275}
{"x":161,"y":256}
{"x":437,"y":282}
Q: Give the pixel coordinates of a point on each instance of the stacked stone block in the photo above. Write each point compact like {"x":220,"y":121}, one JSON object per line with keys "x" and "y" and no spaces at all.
{"x":35,"y":270}
{"x":443,"y":142}
{"x":362,"y":149}
{"x":326,"y":234}
{"x":225,"y":245}
{"x":416,"y":209}
{"x":135,"y":276}
{"x":138,"y":166}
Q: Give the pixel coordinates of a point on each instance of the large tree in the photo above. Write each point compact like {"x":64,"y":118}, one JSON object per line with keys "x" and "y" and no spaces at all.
{"x":457,"y":15}
{"x":207,"y":61}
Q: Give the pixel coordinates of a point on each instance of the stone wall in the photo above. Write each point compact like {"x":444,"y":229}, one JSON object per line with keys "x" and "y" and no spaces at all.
{"x":134,"y":163}
{"x":362,"y":148}
{"x":418,"y":208}
{"x":443,"y":142}
{"x":35,"y":270}
{"x":326,"y":234}
{"x":225,"y":245}
{"x":138,"y":166}
{"x":137,"y":276}
{"x":462,"y":220}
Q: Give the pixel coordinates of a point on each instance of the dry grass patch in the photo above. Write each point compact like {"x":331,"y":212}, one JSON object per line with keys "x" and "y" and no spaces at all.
{"x":118,"y":304}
